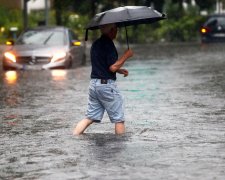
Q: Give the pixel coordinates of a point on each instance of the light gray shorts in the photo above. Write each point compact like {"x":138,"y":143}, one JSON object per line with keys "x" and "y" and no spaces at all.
{"x":105,"y":97}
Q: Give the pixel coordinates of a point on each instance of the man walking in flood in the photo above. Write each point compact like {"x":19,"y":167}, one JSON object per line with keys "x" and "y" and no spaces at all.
{"x":103,"y":92}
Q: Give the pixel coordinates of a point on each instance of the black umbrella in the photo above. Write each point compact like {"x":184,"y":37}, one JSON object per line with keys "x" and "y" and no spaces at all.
{"x":125,"y":16}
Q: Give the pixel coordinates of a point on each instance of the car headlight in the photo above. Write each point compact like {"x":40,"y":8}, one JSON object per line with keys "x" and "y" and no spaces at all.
{"x":58,"y":56}
{"x":10,"y":56}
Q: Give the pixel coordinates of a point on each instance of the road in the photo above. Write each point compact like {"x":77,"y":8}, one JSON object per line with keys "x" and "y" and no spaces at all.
{"x":175,"y":120}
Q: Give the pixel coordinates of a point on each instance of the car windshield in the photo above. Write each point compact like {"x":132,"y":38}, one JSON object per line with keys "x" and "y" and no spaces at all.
{"x":42,"y":37}
{"x":216,"y":21}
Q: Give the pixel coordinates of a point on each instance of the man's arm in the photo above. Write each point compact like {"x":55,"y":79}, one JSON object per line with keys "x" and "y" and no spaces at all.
{"x":119,"y":63}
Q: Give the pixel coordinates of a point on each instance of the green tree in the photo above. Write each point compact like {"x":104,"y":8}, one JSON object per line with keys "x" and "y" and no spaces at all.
{"x":158,"y":4}
{"x":206,"y":4}
{"x":9,"y":18}
{"x":180,"y":26}
{"x":60,"y":7}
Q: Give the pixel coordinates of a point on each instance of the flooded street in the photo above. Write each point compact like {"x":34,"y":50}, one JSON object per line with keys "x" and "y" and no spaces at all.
{"x":175,"y":120}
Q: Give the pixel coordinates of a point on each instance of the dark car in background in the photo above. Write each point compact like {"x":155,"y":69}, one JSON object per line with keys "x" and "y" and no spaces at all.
{"x":213,"y":30}
{"x":44,"y":48}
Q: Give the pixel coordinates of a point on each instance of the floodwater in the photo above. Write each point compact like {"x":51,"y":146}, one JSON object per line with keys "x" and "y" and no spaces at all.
{"x":175,"y":120}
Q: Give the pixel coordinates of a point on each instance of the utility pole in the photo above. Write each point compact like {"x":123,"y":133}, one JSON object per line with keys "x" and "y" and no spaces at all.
{"x":25,"y":16}
{"x":46,"y":12}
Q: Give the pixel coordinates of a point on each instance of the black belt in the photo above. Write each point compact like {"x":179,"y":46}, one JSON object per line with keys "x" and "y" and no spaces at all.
{"x":104,"y":81}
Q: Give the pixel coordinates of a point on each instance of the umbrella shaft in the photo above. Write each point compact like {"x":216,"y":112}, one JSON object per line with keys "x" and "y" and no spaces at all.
{"x":127,"y":38}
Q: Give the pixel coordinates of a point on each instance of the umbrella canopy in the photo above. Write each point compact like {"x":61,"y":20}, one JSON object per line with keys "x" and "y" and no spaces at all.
{"x":125,"y":16}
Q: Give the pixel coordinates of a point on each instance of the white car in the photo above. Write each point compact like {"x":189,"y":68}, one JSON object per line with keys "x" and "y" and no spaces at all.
{"x":44,"y":48}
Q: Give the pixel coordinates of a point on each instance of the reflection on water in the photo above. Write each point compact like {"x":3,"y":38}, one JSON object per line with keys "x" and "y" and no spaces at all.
{"x":59,"y":75}
{"x":11,"y":77}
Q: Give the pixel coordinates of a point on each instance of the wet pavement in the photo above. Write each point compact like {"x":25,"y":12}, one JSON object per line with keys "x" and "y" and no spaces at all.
{"x":175,"y":119}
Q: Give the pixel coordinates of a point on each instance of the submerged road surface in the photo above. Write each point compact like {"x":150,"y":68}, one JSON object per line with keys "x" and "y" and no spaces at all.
{"x":175,"y":119}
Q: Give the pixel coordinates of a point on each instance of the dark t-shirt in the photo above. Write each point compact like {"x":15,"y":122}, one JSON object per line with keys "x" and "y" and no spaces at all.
{"x":103,"y":55}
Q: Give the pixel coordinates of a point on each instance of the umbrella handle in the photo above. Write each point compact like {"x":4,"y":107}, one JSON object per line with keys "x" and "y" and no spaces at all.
{"x":127,"y":38}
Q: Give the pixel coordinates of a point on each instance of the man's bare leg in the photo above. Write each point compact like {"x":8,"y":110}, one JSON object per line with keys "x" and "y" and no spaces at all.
{"x":81,"y":126}
{"x":120,"y":128}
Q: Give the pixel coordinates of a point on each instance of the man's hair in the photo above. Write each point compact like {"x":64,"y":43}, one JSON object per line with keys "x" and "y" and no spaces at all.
{"x":105,"y":29}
